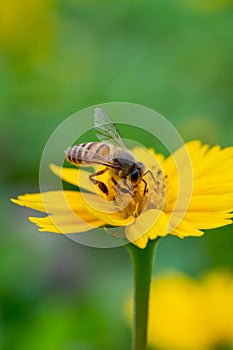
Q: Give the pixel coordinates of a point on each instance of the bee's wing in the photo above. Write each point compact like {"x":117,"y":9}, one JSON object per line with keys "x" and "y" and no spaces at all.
{"x":90,"y":157}
{"x":106,"y":130}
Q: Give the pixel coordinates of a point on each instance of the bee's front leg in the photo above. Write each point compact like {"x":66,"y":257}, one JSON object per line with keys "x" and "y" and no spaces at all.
{"x":121,"y":189}
{"x":146,"y":185}
{"x":100,"y":184}
{"x":145,"y":188}
{"x":150,"y":173}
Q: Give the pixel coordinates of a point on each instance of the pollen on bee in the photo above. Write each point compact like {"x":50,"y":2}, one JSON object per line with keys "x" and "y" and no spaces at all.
{"x":132,"y":199}
{"x":103,"y":188}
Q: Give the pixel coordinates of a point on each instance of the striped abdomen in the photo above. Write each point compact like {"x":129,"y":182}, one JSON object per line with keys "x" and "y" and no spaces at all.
{"x":87,"y":153}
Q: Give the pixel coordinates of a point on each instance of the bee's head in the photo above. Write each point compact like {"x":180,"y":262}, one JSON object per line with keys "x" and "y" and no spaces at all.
{"x":137,"y":173}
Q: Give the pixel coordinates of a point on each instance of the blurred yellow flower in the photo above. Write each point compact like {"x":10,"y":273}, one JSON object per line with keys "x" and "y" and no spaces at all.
{"x":145,"y":215}
{"x":208,"y":5}
{"x":25,"y":26}
{"x":185,"y":314}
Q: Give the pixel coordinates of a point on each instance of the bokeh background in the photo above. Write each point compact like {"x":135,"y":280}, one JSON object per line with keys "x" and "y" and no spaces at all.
{"x":57,"y":57}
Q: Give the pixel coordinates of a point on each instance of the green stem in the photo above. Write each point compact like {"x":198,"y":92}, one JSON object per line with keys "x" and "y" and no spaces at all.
{"x":142,"y":260}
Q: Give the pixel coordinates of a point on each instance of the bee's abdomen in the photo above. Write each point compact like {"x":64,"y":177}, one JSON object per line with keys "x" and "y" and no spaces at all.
{"x":87,"y":153}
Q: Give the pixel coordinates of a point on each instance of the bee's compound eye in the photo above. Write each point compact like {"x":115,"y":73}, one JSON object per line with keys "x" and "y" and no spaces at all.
{"x":135,"y":176}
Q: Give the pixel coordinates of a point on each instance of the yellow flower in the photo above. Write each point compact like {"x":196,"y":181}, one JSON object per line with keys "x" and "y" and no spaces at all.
{"x":209,"y":5}
{"x":167,"y":204}
{"x":185,"y":314}
{"x":23,"y":22}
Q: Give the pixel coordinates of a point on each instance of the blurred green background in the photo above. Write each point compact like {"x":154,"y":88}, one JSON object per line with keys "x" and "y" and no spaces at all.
{"x":58,"y":57}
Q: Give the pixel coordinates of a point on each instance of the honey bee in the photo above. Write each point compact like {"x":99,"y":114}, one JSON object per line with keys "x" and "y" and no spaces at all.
{"x":112,"y":152}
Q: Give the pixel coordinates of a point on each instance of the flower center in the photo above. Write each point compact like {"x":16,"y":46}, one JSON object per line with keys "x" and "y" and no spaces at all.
{"x":131,"y":199}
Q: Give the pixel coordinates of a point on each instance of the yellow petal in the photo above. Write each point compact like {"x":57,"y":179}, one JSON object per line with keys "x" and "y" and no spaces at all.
{"x":211,"y":203}
{"x":184,"y":229}
{"x":107,"y":213}
{"x":178,"y":160}
{"x":148,"y":157}
{"x":58,"y":202}
{"x":203,"y":203}
{"x":65,"y":223}
{"x":212,"y":170}
{"x":214,"y":162}
{"x":149,"y":225}
{"x":208,"y":220}
{"x":218,"y":185}
{"x":52,"y":201}
{"x":77,"y":177}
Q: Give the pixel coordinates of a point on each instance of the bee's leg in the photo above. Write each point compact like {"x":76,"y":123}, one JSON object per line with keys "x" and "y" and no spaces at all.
{"x":153,"y":178}
{"x":121,"y":189}
{"x":127,"y":185}
{"x":149,"y":172}
{"x":118,"y":187}
{"x":145,"y":188}
{"x":157,"y":182}
{"x":100,"y":184}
